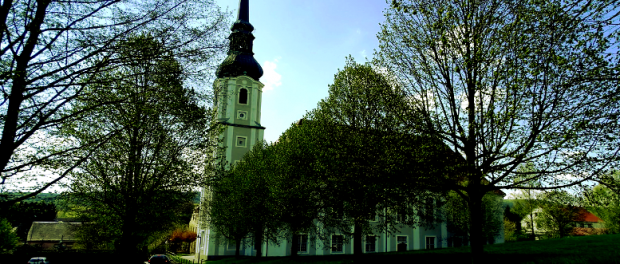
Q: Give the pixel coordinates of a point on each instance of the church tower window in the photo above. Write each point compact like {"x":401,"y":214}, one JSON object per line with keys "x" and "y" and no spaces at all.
{"x":243,"y":96}
{"x":242,"y":142}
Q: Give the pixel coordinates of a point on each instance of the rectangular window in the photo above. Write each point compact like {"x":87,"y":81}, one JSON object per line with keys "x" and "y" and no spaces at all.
{"x":241,"y":142}
{"x":371,"y":242}
{"x":337,"y":241}
{"x":302,"y":243}
{"x":401,"y":243}
{"x":430,"y":242}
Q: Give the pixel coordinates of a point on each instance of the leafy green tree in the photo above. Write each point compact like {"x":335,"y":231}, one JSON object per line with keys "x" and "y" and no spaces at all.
{"x":604,"y":201}
{"x":506,"y":83}
{"x":559,"y":213}
{"x":22,"y":214}
{"x":151,"y":151}
{"x":457,"y":216}
{"x":8,"y":238}
{"x":528,"y":201}
{"x":367,"y":162}
{"x":297,"y":190}
{"x":52,"y":51}
{"x":242,"y":203}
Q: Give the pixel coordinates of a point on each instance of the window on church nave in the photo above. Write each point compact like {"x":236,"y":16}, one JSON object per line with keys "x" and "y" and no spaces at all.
{"x":401,"y":243}
{"x":430,"y":242}
{"x":243,"y":96}
{"x":302,"y":243}
{"x":337,"y":241}
{"x":371,"y":242}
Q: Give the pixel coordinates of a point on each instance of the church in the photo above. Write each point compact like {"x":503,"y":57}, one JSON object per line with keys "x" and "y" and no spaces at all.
{"x":238,"y":101}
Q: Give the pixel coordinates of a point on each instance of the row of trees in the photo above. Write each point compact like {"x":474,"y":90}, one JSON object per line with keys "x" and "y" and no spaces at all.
{"x":350,"y":161}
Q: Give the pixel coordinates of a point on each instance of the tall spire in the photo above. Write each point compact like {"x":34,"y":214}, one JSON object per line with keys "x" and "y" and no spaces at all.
{"x":240,"y":60}
{"x":244,"y":10}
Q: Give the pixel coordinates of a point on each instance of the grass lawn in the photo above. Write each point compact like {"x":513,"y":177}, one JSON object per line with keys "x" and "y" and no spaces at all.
{"x":590,"y":249}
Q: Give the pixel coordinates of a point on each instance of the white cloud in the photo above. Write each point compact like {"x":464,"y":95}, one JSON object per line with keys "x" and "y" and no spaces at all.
{"x":271,"y":79}
{"x":363,"y":53}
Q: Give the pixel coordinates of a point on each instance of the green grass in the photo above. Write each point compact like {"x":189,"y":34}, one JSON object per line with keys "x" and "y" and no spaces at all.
{"x":590,"y":249}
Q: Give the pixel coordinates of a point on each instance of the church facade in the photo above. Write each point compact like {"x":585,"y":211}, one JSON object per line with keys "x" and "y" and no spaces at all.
{"x":238,"y":101}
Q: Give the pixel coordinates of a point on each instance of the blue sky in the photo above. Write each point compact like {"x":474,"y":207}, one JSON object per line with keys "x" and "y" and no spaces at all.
{"x":301,"y":45}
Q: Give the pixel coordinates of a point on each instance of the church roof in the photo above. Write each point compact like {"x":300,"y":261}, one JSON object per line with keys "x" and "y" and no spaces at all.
{"x":240,"y":59}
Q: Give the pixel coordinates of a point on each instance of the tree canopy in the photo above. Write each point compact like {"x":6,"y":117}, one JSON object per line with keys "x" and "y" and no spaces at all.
{"x":53,"y":51}
{"x":505,"y":83}
{"x":151,"y":150}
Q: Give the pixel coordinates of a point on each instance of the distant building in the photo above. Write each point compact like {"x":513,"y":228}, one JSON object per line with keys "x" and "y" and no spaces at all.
{"x":583,"y":223}
{"x":589,"y":224}
{"x":52,"y":235}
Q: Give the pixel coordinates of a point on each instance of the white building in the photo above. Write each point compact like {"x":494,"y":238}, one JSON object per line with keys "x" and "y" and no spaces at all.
{"x":238,"y":97}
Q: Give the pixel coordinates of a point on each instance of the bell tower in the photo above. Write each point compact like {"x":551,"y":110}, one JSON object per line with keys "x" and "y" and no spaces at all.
{"x":238,"y":98}
{"x":238,"y":90}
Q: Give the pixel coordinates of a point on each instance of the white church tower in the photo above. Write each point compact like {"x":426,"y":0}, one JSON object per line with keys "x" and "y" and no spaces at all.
{"x":238,"y":95}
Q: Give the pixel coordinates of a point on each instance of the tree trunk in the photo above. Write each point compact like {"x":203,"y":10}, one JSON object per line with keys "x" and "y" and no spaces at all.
{"x":533,"y":236}
{"x":237,"y":247}
{"x":294,"y":245}
{"x":475,"y":227}
{"x":357,"y":239}
{"x":258,"y":242}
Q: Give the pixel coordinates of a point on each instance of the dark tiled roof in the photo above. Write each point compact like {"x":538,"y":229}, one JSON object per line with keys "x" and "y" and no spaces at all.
{"x":52,"y":231}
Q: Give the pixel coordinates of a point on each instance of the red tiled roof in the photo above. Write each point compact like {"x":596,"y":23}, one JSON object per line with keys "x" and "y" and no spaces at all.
{"x":587,"y":216}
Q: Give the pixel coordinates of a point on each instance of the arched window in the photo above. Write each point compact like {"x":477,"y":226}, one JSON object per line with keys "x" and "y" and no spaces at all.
{"x":243,"y":96}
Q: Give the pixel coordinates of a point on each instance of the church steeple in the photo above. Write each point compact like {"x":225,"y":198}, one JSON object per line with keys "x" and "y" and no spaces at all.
{"x":240,"y":60}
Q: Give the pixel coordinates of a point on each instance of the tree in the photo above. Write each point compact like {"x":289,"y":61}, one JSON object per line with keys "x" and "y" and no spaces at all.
{"x":559,"y":214}
{"x":8,"y":238}
{"x":141,"y":177}
{"x":22,"y":214}
{"x":53,"y":50}
{"x":242,"y":201}
{"x":604,"y":201}
{"x":458,"y":221}
{"x":506,"y":83}
{"x":527,"y":201}
{"x":367,"y":162}
{"x":297,"y":191}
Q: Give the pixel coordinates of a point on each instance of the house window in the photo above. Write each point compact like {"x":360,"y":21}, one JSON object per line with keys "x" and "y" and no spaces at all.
{"x":371,"y":242}
{"x":337,"y":241}
{"x":430,"y":242}
{"x":243,"y":115}
{"x":243,"y":96}
{"x":302,"y":243}
{"x":401,"y":243}
{"x":241,"y":141}
{"x":589,"y":225}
